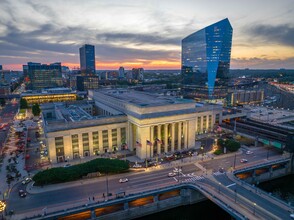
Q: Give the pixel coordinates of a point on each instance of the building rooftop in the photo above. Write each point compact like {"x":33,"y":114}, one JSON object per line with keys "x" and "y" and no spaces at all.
{"x":142,"y":99}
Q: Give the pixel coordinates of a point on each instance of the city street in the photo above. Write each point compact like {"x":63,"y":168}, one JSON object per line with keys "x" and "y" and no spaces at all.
{"x":73,"y":194}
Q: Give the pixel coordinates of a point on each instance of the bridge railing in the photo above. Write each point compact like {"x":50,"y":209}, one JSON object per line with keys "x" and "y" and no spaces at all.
{"x":261,"y":165}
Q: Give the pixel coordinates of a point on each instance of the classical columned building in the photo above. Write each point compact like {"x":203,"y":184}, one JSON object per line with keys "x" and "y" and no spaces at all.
{"x":112,"y":120}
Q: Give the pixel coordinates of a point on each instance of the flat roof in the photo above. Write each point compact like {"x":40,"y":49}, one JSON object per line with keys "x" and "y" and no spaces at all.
{"x":142,"y":99}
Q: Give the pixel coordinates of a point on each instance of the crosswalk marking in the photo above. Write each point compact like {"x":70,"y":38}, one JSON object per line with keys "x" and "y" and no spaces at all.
{"x":194,"y":179}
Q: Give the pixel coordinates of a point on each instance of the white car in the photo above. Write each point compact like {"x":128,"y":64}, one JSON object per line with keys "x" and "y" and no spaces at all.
{"x":137,"y":166}
{"x":123,"y":180}
{"x":26,"y":180}
{"x":243,"y":160}
{"x":171,"y":174}
{"x":176,"y":170}
{"x":249,"y":152}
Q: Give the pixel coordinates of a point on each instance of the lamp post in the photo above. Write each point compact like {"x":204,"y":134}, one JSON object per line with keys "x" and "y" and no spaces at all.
{"x":107,"y":191}
{"x":254,"y":208}
{"x":235,"y":160}
{"x":202,"y":152}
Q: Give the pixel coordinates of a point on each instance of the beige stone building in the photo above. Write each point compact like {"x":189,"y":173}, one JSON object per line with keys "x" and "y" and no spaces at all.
{"x":147,"y":124}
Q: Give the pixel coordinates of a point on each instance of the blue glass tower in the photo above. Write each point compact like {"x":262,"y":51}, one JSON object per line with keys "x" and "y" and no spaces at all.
{"x":87,"y":59}
{"x":206,"y":60}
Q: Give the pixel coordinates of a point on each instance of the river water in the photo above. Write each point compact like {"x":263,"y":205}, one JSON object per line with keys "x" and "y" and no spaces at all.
{"x":282,"y":188}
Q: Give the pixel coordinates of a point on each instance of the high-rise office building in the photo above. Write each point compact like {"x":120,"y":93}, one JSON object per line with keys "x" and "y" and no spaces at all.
{"x":206,"y":58}
{"x":121,"y":72}
{"x":43,"y":76}
{"x":87,"y":59}
{"x":85,"y":83}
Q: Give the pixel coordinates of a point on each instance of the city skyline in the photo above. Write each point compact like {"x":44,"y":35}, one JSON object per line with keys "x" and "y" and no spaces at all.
{"x":141,"y":34}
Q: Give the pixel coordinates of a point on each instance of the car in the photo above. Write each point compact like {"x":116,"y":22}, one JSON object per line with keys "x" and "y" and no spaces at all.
{"x":171,"y":174}
{"x":176,"y":170}
{"x":67,"y":165}
{"x":292,"y":215}
{"x":249,"y":152}
{"x":137,"y":165}
{"x":243,"y":160}
{"x":22,"y":193}
{"x":26,"y":180}
{"x":123,"y":180}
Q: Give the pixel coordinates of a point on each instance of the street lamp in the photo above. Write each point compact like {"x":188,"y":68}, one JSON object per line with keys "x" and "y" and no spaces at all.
{"x":254,"y":208}
{"x":107,"y":190}
{"x":235,"y":160}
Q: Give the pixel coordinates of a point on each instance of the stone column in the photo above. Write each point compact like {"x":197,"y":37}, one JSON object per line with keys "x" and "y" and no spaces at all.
{"x":159,"y":137}
{"x":81,"y":149}
{"x":165,"y":138}
{"x":185,"y":134}
{"x":119,"y":139}
{"x":152,"y":141}
{"x":101,"y":150}
{"x":179,"y":135}
{"x":91,"y":143}
{"x":173,"y":137}
{"x":110,"y":140}
{"x":67,"y":147}
{"x":52,"y":150}
{"x":130,"y":132}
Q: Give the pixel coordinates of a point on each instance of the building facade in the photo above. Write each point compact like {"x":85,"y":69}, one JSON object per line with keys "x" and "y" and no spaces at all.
{"x":147,"y":124}
{"x":243,"y":97}
{"x":50,"y":95}
{"x":85,"y":83}
{"x":87,"y":59}
{"x":43,"y":76}
{"x":206,"y":60}
{"x":121,"y":72}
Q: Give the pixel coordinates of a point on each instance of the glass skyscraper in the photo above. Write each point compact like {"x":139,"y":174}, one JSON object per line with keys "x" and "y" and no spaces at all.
{"x":206,"y":61}
{"x":43,"y":76}
{"x":87,"y":59}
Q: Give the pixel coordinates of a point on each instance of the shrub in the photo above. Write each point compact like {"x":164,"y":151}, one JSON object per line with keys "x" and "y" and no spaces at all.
{"x":218,"y":152}
{"x":75,"y":172}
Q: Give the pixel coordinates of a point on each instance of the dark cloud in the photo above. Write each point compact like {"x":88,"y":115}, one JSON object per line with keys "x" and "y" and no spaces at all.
{"x":261,"y":63}
{"x":138,"y":38}
{"x":282,"y":34}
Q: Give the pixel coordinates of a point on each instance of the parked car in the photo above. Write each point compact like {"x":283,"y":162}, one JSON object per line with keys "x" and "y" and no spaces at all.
{"x":22,"y":193}
{"x":171,"y":174}
{"x":67,"y":165}
{"x":123,"y":180}
{"x":26,"y":180}
{"x":243,"y":160}
{"x":136,"y":165}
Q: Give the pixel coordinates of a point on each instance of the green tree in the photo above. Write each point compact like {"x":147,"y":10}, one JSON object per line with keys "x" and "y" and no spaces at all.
{"x":23,"y":103}
{"x":232,"y":145}
{"x":36,"y":110}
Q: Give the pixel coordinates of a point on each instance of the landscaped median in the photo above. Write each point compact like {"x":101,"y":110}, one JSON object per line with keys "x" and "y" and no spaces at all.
{"x":76,"y":172}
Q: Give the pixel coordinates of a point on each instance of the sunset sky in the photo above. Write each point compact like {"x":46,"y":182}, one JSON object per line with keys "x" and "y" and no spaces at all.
{"x":142,"y":33}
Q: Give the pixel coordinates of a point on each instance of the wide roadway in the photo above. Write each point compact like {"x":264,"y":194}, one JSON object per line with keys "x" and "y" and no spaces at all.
{"x":139,"y":181}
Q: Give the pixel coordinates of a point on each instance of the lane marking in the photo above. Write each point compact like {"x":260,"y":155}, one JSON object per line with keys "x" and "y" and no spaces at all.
{"x":233,"y":184}
{"x":175,"y":179}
